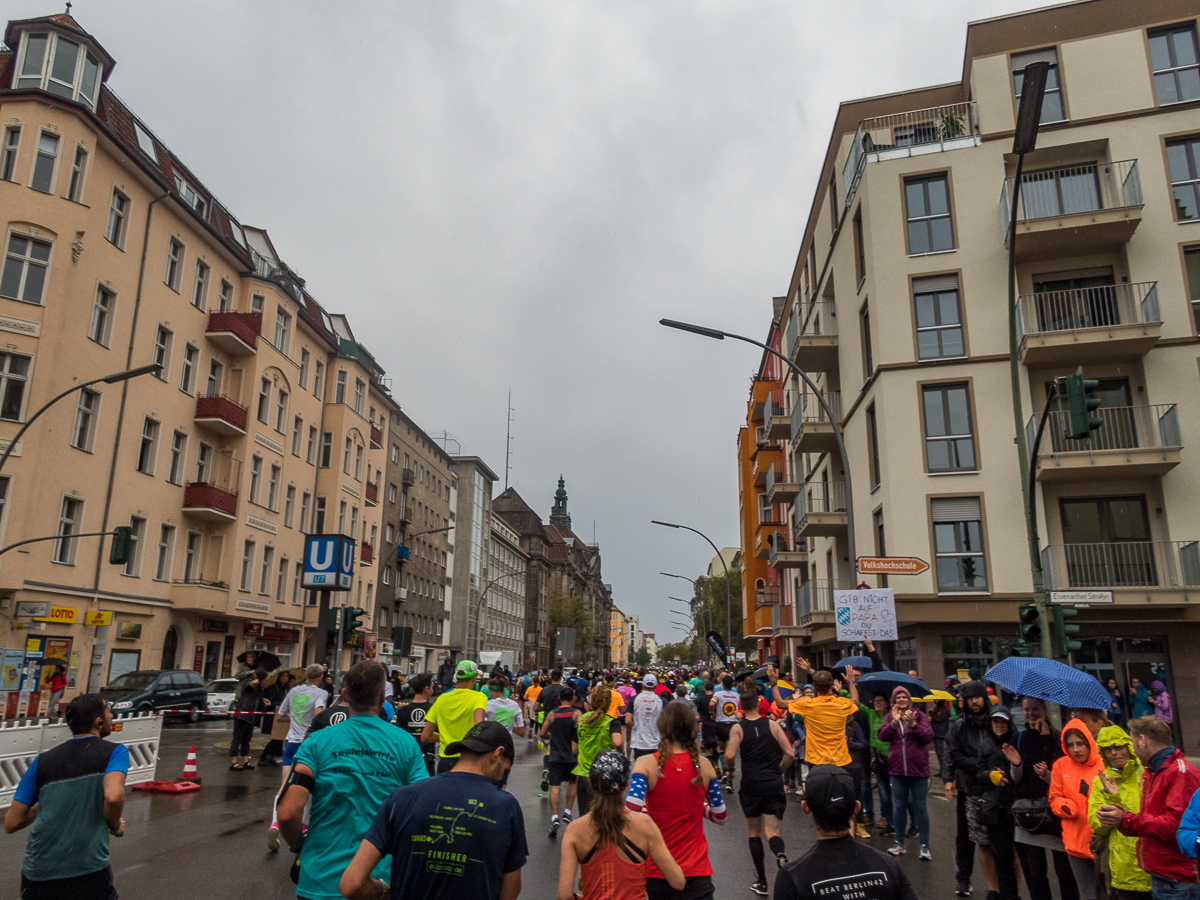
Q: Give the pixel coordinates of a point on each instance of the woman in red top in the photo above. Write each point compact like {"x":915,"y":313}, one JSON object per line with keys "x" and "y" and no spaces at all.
{"x":679,"y":789}
{"x":610,"y":844}
{"x":58,"y":684}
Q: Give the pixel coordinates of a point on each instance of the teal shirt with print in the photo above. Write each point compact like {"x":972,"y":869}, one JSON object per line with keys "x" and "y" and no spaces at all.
{"x":356,"y":766}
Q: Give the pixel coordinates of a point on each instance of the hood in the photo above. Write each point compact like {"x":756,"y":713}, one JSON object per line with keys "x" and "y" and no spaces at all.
{"x":1093,"y":752}
{"x":1115,"y":736}
{"x":973,"y":689}
{"x":1158,"y":686}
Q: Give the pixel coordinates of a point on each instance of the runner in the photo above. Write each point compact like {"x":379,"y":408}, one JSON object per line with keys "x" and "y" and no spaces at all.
{"x":559,"y":727}
{"x":504,"y":710}
{"x":643,"y":719}
{"x":301,"y":706}
{"x":825,"y":717}
{"x":453,"y":713}
{"x":531,"y":706}
{"x":708,"y":727}
{"x":724,"y":706}
{"x":596,"y":731}
{"x":411,"y":716}
{"x":766,"y":755}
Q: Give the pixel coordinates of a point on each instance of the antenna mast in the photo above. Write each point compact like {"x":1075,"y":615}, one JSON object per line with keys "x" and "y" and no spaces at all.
{"x":508,"y":441}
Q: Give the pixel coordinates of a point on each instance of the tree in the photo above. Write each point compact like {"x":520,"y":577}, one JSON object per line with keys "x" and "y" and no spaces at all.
{"x":668,"y":652}
{"x":572,"y":612}
{"x":642,"y":657}
{"x":710,"y":598}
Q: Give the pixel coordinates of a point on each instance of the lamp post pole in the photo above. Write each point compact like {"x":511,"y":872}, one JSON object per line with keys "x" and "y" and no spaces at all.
{"x":693,"y":584}
{"x":728,"y":600}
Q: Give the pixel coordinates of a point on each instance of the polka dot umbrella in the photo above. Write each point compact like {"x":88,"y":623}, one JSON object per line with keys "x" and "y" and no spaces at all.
{"x":1048,"y":679}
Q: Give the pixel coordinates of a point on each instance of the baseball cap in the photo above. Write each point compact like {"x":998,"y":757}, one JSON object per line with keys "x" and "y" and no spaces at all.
{"x":829,"y":791}
{"x":465,"y":669}
{"x":484,"y":737}
{"x":650,"y":681}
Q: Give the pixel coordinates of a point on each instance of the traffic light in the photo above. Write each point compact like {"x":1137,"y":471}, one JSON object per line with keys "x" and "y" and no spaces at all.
{"x":1031,"y":630}
{"x":122,"y":544}
{"x":354,"y":618}
{"x":331,"y":619}
{"x":1082,"y":404}
{"x":1062,"y":631}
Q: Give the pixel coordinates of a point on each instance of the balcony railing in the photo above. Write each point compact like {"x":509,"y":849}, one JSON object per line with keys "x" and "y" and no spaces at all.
{"x":372,"y":494}
{"x":366,"y":553}
{"x":821,"y":497}
{"x":223,"y":414}
{"x":767,"y":595}
{"x":784,"y":550}
{"x":376,"y":437}
{"x":235,"y":331}
{"x":809,"y":412}
{"x":1094,"y":307}
{"x":1122,"y":564}
{"x":820,"y":317}
{"x":1124,"y":428}
{"x":816,"y":595}
{"x":1053,"y":193}
{"x":775,"y":411}
{"x":918,"y":131}
{"x":408,"y":476}
{"x":207,"y":500}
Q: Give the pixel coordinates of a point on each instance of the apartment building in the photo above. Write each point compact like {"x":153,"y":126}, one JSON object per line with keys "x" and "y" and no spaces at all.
{"x":414,"y":575}
{"x":897,"y":309}
{"x":504,"y":618}
{"x":651,"y":645}
{"x":633,"y":629}
{"x":535,"y":542}
{"x":263,"y":424}
{"x":473,"y":481}
{"x":618,"y":637}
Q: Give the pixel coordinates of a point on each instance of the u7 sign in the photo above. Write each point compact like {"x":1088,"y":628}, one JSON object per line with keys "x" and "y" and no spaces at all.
{"x":865,"y":614}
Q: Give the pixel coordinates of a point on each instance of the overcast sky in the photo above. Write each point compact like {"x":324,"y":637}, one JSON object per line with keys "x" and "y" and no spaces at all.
{"x":510,"y":195}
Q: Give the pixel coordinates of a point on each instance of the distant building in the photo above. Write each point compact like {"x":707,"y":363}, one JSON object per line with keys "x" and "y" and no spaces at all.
{"x":472,"y":544}
{"x":651,"y":645}
{"x":633,"y":626}
{"x":732,"y":557}
{"x":619,"y":638}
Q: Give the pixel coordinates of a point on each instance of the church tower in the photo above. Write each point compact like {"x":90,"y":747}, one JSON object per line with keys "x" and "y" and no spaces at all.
{"x":558,"y":515}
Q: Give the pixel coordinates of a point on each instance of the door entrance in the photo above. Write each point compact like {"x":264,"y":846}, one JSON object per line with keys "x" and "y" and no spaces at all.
{"x":212,"y":660}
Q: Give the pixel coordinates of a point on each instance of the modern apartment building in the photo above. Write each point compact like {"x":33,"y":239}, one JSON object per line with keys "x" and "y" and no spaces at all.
{"x":264,"y":423}
{"x":472,"y":481}
{"x":897,"y":309}
{"x":504,"y":617}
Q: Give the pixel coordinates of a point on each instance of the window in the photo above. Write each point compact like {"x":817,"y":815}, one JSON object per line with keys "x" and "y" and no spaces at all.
{"x":118,"y":218}
{"x":1191,"y":258}
{"x":273,"y":488}
{"x":297,"y":435}
{"x":191,"y":197}
{"x":304,"y":358}
{"x":346,"y":457}
{"x":927,"y":205}
{"x":385,"y":577}
{"x":289,"y":506}
{"x":178,"y":455}
{"x":1053,"y":109}
{"x":339,"y":393}
{"x":319,"y":380}
{"x":247,"y":565}
{"x":342,"y":517}
{"x":833,"y":204}
{"x":864,"y":316}
{"x":360,"y":390}
{"x":391,"y":493}
{"x":25,"y":267}
{"x":389,"y":534}
{"x":200,"y":286}
{"x":264,"y":400}
{"x":1183,"y":156}
{"x":1176,"y":64}
{"x":326,"y":448}
{"x":203,"y":463}
{"x":149,"y":447}
{"x":305,"y":500}
{"x":162,"y":350}
{"x":939,"y":317}
{"x":860,"y":250}
{"x":69,"y":521}
{"x":44,"y":163}
{"x":145,"y":141}
{"x":256,"y":303}
{"x":216,"y":378}
{"x":949,"y":440}
{"x":78,"y":170}
{"x":225,"y":302}
{"x":873,"y":437}
{"x":283,"y":330}
{"x":281,"y":402}
{"x":187,"y":377}
{"x":255,"y":478}
{"x":191,"y":557}
{"x":310,"y":453}
{"x":395,"y":453}
{"x":8,"y":161}
{"x":358,"y":461}
{"x":319,"y":516}
{"x":281,"y":581}
{"x":958,"y":544}
{"x":133,"y":566}
{"x":73,"y":72}
{"x":174,"y":265}
{"x":296,"y":584}
{"x":880,"y":544}
{"x":166,"y":548}
{"x":353,"y":532}
{"x":84,"y":432}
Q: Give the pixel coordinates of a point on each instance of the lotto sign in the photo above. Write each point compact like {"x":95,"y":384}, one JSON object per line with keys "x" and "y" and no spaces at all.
{"x":328,"y":562}
{"x":865,"y":614}
{"x":65,"y":615}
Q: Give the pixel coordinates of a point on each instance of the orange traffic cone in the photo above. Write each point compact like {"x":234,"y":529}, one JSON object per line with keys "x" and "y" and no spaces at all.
{"x":189,"y":767}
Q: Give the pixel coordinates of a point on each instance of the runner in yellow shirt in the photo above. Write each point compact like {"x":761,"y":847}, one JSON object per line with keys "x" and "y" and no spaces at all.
{"x":454,"y":713}
{"x":825,"y":717}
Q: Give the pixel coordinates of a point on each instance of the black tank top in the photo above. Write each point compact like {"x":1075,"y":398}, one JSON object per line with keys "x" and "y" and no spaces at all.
{"x":761,"y":756}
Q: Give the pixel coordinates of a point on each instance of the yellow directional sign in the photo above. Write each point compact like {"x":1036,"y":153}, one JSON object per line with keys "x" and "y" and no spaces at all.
{"x":98,"y":617}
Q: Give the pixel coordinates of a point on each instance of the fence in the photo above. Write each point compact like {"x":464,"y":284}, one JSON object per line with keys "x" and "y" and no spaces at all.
{"x":821,"y":497}
{"x":1093,"y":307}
{"x":1124,"y":428}
{"x":1120,"y":564}
{"x":1066,"y":191}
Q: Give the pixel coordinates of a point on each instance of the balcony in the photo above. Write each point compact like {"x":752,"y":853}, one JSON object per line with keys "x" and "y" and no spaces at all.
{"x":406,"y":515}
{"x":1080,"y":210}
{"x":1128,"y":568}
{"x":812,"y":430}
{"x":914,"y":133}
{"x":767,"y":595}
{"x":814,"y":605}
{"x":777,"y":425}
{"x":203,"y":500}
{"x":235,"y":333}
{"x":779,"y":490}
{"x":812,"y":336}
{"x":376,"y":437}
{"x":1134,"y":442}
{"x":785,"y":553}
{"x":408,"y":476}
{"x":821,"y":509}
{"x":218,"y":413}
{"x":366,"y":554}
{"x":372,"y":494}
{"x":1089,"y":326}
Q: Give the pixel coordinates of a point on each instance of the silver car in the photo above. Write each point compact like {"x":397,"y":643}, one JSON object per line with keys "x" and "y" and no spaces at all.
{"x":220,"y":696}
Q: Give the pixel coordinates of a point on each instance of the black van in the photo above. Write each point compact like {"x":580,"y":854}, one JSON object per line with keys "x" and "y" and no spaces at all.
{"x":149,"y":689}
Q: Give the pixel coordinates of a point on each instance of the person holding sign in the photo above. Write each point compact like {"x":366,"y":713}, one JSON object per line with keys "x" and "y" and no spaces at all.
{"x":825,"y":716}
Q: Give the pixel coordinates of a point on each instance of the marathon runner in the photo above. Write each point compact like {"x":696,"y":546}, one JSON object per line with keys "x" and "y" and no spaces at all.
{"x":300,"y":706}
{"x":411,"y":716}
{"x":643,"y":717}
{"x":559,"y":727}
{"x":724,"y":706}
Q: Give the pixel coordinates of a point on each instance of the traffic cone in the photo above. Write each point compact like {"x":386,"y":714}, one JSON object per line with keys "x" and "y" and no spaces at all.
{"x":189,"y":767}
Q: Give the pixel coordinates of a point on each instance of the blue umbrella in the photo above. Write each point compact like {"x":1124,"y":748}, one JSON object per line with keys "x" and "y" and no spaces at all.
{"x":886,"y":682}
{"x":1048,"y":679}
{"x":859,"y":662}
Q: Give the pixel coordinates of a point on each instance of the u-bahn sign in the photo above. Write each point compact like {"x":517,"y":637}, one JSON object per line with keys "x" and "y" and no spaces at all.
{"x":891,"y":565}
{"x":328,"y":562}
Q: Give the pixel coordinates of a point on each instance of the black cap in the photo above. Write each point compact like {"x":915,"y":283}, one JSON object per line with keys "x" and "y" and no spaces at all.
{"x":484,"y":737}
{"x":829,"y":792}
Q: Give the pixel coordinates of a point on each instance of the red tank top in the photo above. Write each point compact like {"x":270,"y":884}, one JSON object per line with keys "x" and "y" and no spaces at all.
{"x":677,"y":807}
{"x":606,"y":876}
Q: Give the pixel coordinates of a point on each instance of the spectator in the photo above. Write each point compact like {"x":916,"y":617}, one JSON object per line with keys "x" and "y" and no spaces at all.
{"x":1140,"y":703}
{"x":939,"y":719}
{"x":1116,"y":709}
{"x":245,"y":707}
{"x":1168,"y":786}
{"x":58,"y":684}
{"x":73,"y":796}
{"x":908,"y":733}
{"x":1162,"y":702}
{"x":454,"y":712}
{"x":995,"y":808}
{"x":877,"y":765}
{"x":418,"y":814}
{"x":1070,"y":782}
{"x":860,"y":758}
{"x":273,"y":696}
{"x":444,"y":680}
{"x":1119,"y":784}
{"x":838,"y":866}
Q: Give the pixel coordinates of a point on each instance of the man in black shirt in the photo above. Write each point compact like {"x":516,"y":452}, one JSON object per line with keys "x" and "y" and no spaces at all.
{"x":411,"y":716}
{"x":839,"y":867}
{"x":560,"y":728}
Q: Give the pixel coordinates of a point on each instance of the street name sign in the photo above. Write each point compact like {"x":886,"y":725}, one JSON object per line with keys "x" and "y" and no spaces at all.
{"x":328,"y":562}
{"x":865,"y":614}
{"x":891,"y":565}
{"x":1081,"y":598}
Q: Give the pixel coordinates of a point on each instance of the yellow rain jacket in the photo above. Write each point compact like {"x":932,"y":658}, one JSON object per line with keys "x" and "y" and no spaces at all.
{"x":1127,"y":875}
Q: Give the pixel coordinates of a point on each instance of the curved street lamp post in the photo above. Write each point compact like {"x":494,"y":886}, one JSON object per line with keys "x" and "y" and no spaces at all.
{"x":720,"y":556}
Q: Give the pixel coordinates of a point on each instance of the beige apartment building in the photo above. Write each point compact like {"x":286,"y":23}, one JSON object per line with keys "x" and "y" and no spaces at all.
{"x":618,"y":636}
{"x":897,"y":308}
{"x":267,"y":420}
{"x":504,"y":615}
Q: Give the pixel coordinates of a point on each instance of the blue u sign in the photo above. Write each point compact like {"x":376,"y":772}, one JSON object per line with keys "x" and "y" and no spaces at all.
{"x":328,"y":562}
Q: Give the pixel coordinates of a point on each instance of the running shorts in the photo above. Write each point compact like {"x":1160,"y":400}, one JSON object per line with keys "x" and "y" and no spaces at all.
{"x":762,"y":804}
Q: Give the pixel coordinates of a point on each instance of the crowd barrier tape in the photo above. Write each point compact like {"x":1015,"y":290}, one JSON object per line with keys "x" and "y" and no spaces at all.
{"x":20,"y":744}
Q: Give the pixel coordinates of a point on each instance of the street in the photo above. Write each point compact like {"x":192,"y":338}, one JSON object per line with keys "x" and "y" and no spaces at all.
{"x":213,"y":844}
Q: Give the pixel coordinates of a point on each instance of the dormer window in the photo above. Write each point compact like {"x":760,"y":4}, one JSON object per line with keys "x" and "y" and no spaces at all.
{"x":51,"y":62}
{"x":145,"y":141}
{"x":190,"y":196}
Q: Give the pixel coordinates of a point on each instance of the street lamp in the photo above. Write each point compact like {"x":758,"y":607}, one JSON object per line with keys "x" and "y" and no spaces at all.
{"x":153,"y":368}
{"x":693,"y":584}
{"x":721,"y":557}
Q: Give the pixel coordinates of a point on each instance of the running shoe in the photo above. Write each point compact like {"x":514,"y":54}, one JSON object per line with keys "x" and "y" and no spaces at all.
{"x":759,"y":887}
{"x":554,"y":828}
{"x":566,"y":817}
{"x":545,"y":781}
{"x":925,"y":854}
{"x":964,"y":888}
{"x":897,"y":849}
{"x":273,"y":840}
{"x":912,"y":831}
{"x":780,"y":860}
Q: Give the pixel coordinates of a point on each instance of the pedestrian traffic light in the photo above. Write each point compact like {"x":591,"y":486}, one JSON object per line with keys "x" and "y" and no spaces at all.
{"x":331,"y":619}
{"x":1062,"y":631}
{"x":122,"y":543}
{"x":354,"y":618}
{"x":1081,"y":404}
{"x":1031,"y":630}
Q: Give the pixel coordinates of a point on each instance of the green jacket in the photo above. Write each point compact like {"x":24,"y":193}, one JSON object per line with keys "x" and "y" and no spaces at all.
{"x":875,"y":720}
{"x":1127,"y":875}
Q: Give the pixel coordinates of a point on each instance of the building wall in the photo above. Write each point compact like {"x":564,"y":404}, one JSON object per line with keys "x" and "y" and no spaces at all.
{"x":504,"y":616}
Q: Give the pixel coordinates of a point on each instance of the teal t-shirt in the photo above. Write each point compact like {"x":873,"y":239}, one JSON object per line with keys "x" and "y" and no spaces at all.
{"x":356,"y":765}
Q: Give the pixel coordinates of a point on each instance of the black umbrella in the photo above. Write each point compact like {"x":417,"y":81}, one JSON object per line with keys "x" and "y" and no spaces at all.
{"x":265,"y":659}
{"x":54,"y":661}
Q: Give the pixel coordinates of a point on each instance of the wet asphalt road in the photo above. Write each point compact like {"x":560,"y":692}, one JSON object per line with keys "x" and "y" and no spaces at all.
{"x":211,"y":845}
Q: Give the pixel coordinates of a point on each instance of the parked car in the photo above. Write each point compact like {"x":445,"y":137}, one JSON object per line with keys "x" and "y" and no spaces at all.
{"x":220,"y":696}
{"x":146,"y":690}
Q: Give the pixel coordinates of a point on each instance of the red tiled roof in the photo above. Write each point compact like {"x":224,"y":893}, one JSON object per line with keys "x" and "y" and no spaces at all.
{"x":66,"y":21}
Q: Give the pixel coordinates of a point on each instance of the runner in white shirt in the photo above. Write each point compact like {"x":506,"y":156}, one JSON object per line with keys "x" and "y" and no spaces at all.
{"x":724,"y":705}
{"x":643,"y":716}
{"x":301,"y":705}
{"x":503,"y":710}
